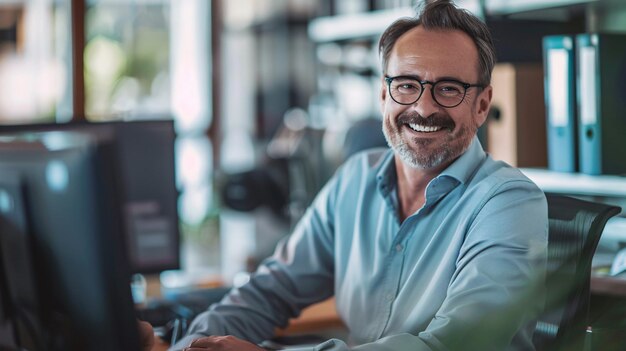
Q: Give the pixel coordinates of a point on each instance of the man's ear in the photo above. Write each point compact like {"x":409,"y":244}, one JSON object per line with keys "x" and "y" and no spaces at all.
{"x":483,"y":104}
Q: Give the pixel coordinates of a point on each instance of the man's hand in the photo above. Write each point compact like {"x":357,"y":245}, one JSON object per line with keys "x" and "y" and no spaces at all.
{"x":221,"y":343}
{"x":146,"y":335}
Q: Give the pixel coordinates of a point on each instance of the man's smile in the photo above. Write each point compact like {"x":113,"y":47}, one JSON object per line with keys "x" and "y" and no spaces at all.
{"x":423,"y":128}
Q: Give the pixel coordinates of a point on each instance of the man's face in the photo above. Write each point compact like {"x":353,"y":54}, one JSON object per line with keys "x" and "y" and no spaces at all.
{"x":426,"y":135}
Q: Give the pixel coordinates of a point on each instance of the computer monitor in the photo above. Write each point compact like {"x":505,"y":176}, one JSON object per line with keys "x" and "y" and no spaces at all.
{"x":145,"y":153}
{"x":64,"y":268}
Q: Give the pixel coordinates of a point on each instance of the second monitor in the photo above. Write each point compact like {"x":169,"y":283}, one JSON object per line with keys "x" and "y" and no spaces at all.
{"x":145,"y":157}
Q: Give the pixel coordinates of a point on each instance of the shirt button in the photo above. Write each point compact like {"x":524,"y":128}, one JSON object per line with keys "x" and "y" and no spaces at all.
{"x":399,"y":248}
{"x":389,"y":297}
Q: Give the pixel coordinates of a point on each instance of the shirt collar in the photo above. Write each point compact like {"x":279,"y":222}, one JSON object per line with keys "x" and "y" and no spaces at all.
{"x":460,"y":170}
{"x":463,"y":168}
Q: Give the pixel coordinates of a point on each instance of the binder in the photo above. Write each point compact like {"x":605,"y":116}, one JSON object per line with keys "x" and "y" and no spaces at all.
{"x":602,"y":102}
{"x":560,"y":100}
{"x":516,"y":129}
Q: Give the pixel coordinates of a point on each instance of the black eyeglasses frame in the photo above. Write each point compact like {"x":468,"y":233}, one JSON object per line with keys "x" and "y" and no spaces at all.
{"x":432,"y":91}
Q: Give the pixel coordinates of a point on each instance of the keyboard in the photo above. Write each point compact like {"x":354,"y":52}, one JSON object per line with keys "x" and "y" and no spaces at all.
{"x":171,"y":317}
{"x":157,"y":314}
{"x":185,"y":306}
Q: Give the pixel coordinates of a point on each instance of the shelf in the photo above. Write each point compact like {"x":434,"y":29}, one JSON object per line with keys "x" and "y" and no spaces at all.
{"x":614,"y":234}
{"x":354,"y":26}
{"x":368,"y":24}
{"x":509,"y":7}
{"x":371,"y":24}
{"x":577,"y":183}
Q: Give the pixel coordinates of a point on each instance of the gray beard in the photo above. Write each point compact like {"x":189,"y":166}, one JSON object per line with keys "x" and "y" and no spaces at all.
{"x":453,"y":149}
{"x":413,"y":160}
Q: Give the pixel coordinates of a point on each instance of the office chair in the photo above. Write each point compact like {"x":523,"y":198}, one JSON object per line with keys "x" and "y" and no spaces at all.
{"x":575,"y":227}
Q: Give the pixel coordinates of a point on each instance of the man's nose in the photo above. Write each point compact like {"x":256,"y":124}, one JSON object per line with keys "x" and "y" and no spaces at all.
{"x":426,"y":105}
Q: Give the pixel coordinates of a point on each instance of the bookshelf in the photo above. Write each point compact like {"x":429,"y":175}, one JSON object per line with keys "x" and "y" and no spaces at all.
{"x":578,"y":183}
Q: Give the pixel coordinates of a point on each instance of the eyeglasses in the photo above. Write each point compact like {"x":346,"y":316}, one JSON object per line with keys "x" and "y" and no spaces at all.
{"x":448,"y":93}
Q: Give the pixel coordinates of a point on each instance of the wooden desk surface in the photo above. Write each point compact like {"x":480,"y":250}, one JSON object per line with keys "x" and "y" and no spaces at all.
{"x":606,"y":285}
{"x":321,"y":316}
{"x":160,"y":345}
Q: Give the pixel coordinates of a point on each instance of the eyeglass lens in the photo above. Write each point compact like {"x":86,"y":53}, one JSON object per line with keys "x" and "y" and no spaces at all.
{"x":408,"y":91}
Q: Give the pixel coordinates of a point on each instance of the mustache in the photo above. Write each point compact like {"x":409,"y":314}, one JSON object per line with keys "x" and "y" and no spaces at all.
{"x":435,"y":120}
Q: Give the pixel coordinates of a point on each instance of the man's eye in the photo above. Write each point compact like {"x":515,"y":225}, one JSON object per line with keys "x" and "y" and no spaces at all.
{"x":449,"y":89}
{"x":407,"y":87}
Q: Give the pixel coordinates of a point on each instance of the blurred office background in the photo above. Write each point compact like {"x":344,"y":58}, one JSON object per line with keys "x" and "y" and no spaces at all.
{"x":268,"y":96}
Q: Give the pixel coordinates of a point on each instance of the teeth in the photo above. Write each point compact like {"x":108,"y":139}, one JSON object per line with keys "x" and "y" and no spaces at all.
{"x":421,"y":128}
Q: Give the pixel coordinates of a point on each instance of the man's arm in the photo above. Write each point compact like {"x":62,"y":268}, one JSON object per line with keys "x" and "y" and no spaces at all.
{"x":299,"y":274}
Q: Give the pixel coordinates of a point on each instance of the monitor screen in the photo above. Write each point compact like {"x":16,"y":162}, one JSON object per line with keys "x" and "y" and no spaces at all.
{"x":145,"y":153}
{"x":64,"y":266}
{"x":18,"y":292}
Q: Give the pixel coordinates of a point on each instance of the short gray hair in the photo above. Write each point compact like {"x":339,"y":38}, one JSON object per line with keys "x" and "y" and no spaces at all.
{"x":444,"y":15}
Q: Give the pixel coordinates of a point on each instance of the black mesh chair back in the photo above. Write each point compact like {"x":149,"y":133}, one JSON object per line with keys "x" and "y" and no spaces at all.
{"x":574,"y":233}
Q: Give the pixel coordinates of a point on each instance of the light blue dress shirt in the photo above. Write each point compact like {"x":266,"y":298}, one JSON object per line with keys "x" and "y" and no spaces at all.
{"x":464,"y":272}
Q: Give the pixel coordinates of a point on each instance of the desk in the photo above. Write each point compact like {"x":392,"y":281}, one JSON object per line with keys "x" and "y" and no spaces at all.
{"x":321,"y":316}
{"x":601,"y":282}
{"x":324,"y":316}
{"x":160,"y":345}
{"x":609,"y":286}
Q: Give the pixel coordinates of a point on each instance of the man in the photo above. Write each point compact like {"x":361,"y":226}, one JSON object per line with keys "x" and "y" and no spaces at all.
{"x":431,"y":245}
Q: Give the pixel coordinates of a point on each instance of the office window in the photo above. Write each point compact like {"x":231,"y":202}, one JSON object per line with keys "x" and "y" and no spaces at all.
{"x":148,"y":57}
{"x":127,"y":58}
{"x":142,"y":59}
{"x":34,"y":53}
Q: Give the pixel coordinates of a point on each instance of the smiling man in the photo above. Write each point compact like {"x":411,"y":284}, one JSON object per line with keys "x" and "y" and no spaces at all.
{"x":428,"y":130}
{"x":431,"y":245}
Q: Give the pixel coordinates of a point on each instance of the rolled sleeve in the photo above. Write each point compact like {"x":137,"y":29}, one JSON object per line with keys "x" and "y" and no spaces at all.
{"x":300,"y":273}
